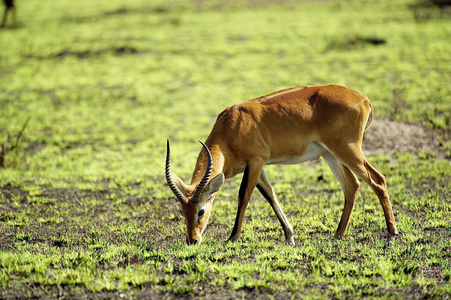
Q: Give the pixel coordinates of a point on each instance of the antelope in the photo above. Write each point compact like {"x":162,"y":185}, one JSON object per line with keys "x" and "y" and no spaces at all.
{"x":9,"y":6}
{"x":290,"y":126}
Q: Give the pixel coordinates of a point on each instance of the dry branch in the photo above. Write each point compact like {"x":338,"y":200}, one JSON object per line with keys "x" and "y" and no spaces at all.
{"x":5,"y":149}
{"x":3,"y":152}
{"x":19,"y":135}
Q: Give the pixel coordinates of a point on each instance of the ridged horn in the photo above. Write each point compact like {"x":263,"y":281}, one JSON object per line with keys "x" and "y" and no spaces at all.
{"x":170,"y":181}
{"x":203,"y":182}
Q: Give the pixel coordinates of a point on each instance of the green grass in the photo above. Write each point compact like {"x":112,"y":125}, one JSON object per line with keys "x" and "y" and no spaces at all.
{"x":84,"y":208}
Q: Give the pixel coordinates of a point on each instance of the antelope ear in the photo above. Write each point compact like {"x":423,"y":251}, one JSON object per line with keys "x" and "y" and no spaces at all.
{"x":180,"y":184}
{"x":214,"y":185}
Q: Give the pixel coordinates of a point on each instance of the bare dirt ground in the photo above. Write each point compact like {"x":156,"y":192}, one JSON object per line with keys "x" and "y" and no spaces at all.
{"x":385,"y":136}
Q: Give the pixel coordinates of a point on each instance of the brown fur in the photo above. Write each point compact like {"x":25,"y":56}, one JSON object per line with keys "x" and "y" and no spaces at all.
{"x":328,"y":121}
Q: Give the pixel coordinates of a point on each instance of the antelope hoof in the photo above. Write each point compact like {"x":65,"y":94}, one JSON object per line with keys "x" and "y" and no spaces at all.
{"x":338,"y":237}
{"x":392,"y":238}
{"x":231,"y":239}
{"x":290,"y":242}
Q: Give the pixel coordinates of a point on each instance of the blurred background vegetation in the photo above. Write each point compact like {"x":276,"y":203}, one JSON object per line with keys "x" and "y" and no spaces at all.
{"x":124,"y":76}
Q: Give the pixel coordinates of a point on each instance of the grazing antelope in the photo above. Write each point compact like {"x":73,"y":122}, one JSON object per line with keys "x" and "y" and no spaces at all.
{"x":286,"y":127}
{"x":9,"y":6}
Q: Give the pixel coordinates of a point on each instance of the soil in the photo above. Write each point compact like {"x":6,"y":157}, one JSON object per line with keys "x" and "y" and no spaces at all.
{"x":385,"y":137}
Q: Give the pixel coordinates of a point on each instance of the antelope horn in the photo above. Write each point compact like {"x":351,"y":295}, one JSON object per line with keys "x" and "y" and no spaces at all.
{"x":171,"y":182}
{"x":206,"y":177}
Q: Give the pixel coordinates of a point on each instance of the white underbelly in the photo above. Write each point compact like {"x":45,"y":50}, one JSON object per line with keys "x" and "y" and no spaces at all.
{"x":314,"y":151}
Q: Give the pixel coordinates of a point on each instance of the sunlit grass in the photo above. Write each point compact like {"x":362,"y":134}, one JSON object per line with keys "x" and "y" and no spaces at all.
{"x":83,"y":201}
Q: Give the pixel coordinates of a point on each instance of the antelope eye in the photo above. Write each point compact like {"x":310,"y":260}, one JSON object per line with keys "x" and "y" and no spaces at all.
{"x":181,"y":212}
{"x":201,"y":212}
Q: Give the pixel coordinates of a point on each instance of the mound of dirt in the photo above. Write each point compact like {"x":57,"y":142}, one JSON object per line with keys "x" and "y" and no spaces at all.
{"x":386,"y":136}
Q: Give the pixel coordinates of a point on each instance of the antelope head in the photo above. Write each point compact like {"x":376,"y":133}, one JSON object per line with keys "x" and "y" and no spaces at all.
{"x":196,"y":200}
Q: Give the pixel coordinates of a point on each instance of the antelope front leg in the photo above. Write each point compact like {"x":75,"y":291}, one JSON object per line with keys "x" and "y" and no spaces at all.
{"x":5,"y":14}
{"x":250,"y":179}
{"x":265,"y":188}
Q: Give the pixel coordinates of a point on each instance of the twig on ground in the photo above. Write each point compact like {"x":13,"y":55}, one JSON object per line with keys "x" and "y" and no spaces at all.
{"x":4,"y":150}
{"x":19,"y":135}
